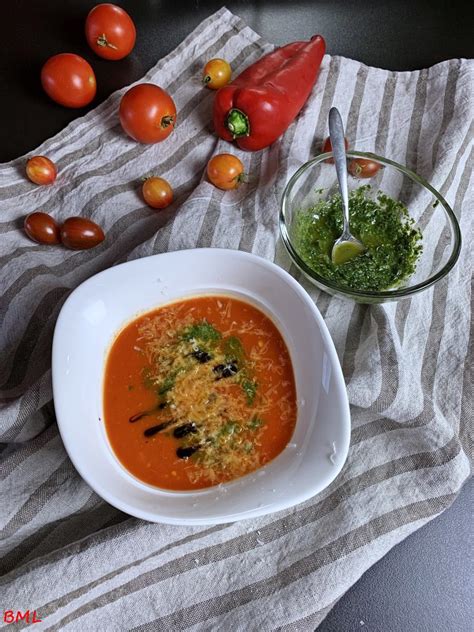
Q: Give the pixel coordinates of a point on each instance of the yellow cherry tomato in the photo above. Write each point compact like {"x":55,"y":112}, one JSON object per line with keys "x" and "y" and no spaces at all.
{"x":216,"y":74}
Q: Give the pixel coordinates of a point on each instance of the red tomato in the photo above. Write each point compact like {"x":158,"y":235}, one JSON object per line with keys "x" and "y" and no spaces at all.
{"x":363,"y":168}
{"x":41,"y":170}
{"x":80,"y":233}
{"x":69,"y":80}
{"x":157,"y":192}
{"x":147,"y":113}
{"x":42,"y":228}
{"x":110,"y":31}
{"x":327,"y":147}
{"x":225,"y":171}
{"x":216,"y":74}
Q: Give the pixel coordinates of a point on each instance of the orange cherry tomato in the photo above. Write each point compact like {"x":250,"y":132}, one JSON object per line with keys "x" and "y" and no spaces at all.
{"x":157,"y":192}
{"x":216,"y":74}
{"x":327,"y":147}
{"x":147,"y":113}
{"x":80,"y":233}
{"x":42,"y":228}
{"x":110,"y":31}
{"x":363,"y":168}
{"x":41,"y":170}
{"x":69,"y":80}
{"x":225,"y":171}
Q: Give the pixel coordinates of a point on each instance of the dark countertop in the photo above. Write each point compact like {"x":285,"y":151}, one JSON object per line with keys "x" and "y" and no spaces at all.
{"x":422,"y":585}
{"x":425,"y":583}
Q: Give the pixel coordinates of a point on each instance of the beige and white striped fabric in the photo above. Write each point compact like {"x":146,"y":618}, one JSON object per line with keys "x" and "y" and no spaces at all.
{"x":83,"y":565}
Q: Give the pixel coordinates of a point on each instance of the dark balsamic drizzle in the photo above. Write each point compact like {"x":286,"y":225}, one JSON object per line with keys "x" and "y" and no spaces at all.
{"x":201,"y":356}
{"x":184,"y":430}
{"x":226,"y":370}
{"x":149,"y":432}
{"x":138,"y":416}
{"x":147,"y":413}
{"x":185,"y":453}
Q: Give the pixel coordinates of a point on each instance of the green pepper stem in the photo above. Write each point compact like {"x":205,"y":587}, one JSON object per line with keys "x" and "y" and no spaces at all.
{"x":237,"y":123}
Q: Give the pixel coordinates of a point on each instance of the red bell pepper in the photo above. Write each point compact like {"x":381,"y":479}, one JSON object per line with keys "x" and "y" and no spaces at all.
{"x":260,"y":104}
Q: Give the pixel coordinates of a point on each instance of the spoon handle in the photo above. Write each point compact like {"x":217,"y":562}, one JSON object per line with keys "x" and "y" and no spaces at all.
{"x":336,"y":134}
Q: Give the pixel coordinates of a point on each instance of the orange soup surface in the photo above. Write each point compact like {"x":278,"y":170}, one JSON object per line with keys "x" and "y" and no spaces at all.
{"x":198,"y":392}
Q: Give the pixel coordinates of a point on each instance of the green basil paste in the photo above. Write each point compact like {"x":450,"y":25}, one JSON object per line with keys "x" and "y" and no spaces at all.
{"x":392,"y":244}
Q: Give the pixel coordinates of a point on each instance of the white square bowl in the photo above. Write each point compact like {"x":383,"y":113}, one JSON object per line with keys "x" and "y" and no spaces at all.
{"x":102,"y":305}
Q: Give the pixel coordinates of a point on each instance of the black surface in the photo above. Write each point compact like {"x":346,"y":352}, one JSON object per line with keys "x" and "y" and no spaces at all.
{"x":424,"y":584}
{"x":395,"y":34}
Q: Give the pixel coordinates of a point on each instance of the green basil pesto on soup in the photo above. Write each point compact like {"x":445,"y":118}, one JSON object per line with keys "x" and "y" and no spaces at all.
{"x":383,"y":225}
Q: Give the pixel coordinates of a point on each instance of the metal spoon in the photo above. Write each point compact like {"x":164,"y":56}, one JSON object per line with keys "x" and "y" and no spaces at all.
{"x":347,"y":246}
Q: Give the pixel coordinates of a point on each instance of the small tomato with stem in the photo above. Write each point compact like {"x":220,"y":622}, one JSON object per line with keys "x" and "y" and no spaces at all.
{"x":216,"y":74}
{"x":110,"y":31}
{"x":225,"y":171}
{"x":157,"y":192}
{"x":147,"y":113}
{"x":41,"y":170}
{"x":363,"y":168}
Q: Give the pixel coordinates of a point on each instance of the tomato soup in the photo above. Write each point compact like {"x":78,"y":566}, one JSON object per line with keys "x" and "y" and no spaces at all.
{"x":198,"y":392}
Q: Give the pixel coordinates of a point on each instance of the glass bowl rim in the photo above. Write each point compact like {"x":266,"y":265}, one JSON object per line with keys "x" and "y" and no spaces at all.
{"x":388,"y":294}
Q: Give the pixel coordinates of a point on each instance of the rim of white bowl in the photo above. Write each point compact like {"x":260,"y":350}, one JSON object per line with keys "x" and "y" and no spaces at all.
{"x":296,"y":498}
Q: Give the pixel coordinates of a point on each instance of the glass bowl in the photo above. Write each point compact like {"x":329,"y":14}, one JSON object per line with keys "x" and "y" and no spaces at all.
{"x":316,"y":180}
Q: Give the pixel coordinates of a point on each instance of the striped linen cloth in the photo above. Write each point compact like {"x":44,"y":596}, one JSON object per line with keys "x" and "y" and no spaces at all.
{"x":83,"y":565}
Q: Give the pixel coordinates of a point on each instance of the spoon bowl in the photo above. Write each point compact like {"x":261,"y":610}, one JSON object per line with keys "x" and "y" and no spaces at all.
{"x":346,"y":248}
